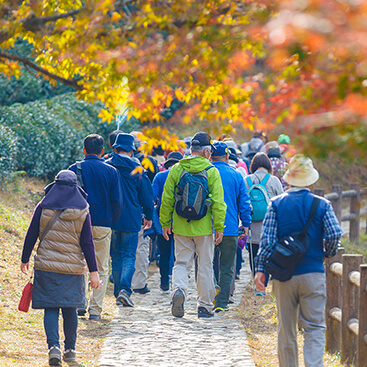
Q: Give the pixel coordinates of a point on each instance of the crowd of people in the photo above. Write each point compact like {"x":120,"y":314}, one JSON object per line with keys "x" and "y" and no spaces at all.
{"x":199,"y":207}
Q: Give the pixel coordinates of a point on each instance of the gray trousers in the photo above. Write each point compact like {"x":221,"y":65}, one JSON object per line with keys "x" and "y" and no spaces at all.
{"x":305,"y":296}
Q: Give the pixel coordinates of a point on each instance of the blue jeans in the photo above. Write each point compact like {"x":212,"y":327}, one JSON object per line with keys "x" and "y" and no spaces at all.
{"x":166,"y":254}
{"x":123,"y":255}
{"x":70,"y":323}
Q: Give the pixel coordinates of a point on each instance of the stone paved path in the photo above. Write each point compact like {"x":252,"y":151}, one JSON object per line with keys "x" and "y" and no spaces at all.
{"x":148,"y":335}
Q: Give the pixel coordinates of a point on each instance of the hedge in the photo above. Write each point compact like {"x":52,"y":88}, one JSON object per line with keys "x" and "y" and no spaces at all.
{"x":8,"y":151}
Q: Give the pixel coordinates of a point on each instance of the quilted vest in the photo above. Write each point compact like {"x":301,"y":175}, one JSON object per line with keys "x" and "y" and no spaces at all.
{"x":60,"y":250}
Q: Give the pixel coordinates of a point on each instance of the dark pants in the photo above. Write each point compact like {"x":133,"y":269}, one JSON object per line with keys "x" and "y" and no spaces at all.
{"x":165,"y":258}
{"x":226,"y":253}
{"x":239,"y":261}
{"x":70,"y":323}
{"x":255,"y":250}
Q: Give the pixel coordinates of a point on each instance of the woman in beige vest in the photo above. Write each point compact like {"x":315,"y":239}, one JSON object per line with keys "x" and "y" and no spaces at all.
{"x":61,"y":221}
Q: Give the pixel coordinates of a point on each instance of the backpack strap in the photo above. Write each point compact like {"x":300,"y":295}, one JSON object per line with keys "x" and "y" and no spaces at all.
{"x":79,"y":174}
{"x":265,"y":180}
{"x":49,"y":225}
{"x":314,"y":206}
{"x":276,"y":169}
{"x":249,"y":182}
{"x":208,"y":168}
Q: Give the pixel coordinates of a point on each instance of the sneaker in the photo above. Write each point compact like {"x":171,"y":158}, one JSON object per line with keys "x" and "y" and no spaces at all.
{"x":125,"y":299}
{"x":69,"y":356}
{"x":94,"y":317}
{"x":258,"y":293}
{"x":119,"y":303}
{"x":110,"y":279}
{"x":203,"y":312}
{"x":142,"y":290}
{"x":54,"y":356}
{"x":221,"y":309}
{"x":231,"y":299}
{"x":81,"y":311}
{"x":178,"y":300}
{"x":164,"y":288}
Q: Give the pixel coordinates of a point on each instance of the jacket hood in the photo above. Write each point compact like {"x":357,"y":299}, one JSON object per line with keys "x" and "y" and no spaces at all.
{"x":194,"y":164}
{"x":124,"y":165}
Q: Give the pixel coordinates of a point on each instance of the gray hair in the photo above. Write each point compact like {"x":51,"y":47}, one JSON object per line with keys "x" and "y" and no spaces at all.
{"x":200,"y":149}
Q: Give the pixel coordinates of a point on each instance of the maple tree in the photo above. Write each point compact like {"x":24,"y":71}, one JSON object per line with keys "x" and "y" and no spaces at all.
{"x":257,"y":63}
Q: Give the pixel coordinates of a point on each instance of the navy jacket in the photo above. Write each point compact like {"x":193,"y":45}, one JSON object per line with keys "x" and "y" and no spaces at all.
{"x":102,"y":184}
{"x":236,"y":197}
{"x":158,"y":185}
{"x":138,"y":195}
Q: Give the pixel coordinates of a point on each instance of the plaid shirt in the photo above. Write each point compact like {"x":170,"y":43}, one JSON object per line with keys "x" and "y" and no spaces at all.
{"x":331,"y":240}
{"x":279,"y":169}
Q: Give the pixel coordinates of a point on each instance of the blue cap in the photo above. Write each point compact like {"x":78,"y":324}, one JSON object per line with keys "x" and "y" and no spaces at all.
{"x":125,"y":142}
{"x":219,"y":149}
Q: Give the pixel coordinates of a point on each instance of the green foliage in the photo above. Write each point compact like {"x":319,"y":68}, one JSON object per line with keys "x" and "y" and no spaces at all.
{"x":8,"y":150}
{"x":50,"y":132}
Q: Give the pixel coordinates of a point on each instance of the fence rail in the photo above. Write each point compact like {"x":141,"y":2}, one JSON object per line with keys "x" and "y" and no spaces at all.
{"x":346,"y":308}
{"x":356,"y":195}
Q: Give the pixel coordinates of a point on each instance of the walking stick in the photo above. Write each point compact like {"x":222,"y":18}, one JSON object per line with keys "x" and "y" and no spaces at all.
{"x":253,"y":265}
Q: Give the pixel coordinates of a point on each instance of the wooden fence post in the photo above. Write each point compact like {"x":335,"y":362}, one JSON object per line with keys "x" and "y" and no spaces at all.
{"x":355,"y":206}
{"x":362,"y":317}
{"x":338,"y":203}
{"x":349,"y":341}
{"x":333,"y":290}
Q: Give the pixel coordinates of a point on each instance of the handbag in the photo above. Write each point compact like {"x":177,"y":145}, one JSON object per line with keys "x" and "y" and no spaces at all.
{"x":290,"y":250}
{"x":26,"y":298}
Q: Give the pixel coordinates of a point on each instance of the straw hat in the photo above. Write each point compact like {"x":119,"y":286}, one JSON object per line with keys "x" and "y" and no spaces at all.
{"x":300,"y":172}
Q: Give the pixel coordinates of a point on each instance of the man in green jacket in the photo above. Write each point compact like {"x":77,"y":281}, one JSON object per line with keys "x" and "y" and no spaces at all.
{"x":194,"y":236}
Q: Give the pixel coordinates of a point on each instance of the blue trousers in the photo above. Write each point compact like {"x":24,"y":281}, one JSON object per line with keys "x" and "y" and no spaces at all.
{"x":70,"y":324}
{"x":123,"y":255}
{"x":165,"y":258}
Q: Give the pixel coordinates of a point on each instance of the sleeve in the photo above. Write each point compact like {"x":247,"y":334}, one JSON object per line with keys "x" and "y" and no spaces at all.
{"x":32,"y":234}
{"x":116,"y":197}
{"x":87,"y":244}
{"x":168,"y":197}
{"x":269,"y":238}
{"x":155,"y":186}
{"x":244,"y":204}
{"x":145,"y":193}
{"x":332,"y":232}
{"x":216,"y":193}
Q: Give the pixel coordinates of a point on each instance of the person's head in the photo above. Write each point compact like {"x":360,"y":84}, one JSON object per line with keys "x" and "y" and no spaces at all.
{"x":300,"y":172}
{"x":124,"y":144}
{"x":201,"y":144}
{"x":261,"y":135}
{"x":261,"y":160}
{"x":113,"y":136}
{"x":231,"y":144}
{"x":233,"y":155}
{"x":272,"y":149}
{"x":93,"y":145}
{"x":284,"y":139}
{"x":172,"y":159}
{"x":220,"y":152}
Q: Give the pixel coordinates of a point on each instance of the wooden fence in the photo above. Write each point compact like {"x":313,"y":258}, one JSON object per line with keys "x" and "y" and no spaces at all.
{"x":356,"y":196}
{"x":346,"y":308}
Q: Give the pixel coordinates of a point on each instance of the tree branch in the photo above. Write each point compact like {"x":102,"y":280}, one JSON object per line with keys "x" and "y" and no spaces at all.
{"x":28,"y":63}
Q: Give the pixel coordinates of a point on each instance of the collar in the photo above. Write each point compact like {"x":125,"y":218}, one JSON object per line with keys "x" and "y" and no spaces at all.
{"x":91,"y":156}
{"x":296,"y":189}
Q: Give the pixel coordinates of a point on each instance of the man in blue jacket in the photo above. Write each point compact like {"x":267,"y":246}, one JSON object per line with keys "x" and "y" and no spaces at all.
{"x":102,"y":184}
{"x":304,"y":294}
{"x":238,"y":204}
{"x":138,"y":198}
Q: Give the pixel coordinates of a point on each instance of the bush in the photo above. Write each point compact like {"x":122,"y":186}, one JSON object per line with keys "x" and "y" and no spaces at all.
{"x":8,"y":151}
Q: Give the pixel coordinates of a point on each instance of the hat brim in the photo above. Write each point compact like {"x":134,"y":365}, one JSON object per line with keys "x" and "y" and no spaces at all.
{"x":301,"y":180}
{"x":170,"y":162}
{"x":127,"y":148}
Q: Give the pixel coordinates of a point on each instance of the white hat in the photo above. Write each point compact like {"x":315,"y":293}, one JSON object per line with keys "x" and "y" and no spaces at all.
{"x":300,"y":172}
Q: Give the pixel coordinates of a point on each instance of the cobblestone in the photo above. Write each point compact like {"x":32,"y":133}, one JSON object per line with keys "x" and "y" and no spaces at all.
{"x":148,"y":335}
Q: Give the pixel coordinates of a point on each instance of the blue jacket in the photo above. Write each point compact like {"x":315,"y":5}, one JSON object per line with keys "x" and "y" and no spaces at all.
{"x":102,"y":184}
{"x":236,"y":197}
{"x":158,"y":185}
{"x":138,"y":195}
{"x":292,"y":212}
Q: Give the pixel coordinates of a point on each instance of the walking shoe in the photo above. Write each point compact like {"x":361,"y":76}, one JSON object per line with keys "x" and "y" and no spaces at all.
{"x":142,"y":290}
{"x":54,"y":356}
{"x":165,"y":288}
{"x":217,"y":291}
{"x":119,"y":303}
{"x":69,"y":356}
{"x":231,"y":299}
{"x":203,"y":312}
{"x":110,"y":278}
{"x":81,"y":311}
{"x":178,"y":300}
{"x":94,"y":317}
{"x":221,"y":309}
{"x":258,"y":293}
{"x":125,"y":299}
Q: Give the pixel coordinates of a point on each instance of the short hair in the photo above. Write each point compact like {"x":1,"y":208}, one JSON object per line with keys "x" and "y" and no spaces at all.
{"x":93,"y":144}
{"x":113,"y":136}
{"x":261,"y":160}
{"x":120,"y":150}
{"x":201,"y":149}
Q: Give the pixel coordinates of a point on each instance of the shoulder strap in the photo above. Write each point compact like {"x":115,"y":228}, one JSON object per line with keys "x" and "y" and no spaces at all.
{"x":207,"y":168}
{"x":265,"y":180}
{"x":79,"y":174}
{"x":314,"y":206}
{"x":249,"y":182}
{"x":51,"y":222}
{"x":276,"y":169}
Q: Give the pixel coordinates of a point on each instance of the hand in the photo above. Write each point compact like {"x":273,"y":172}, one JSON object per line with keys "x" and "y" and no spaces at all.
{"x":24,"y":267}
{"x":94,"y":280}
{"x":218,"y":237}
{"x":260,"y":281}
{"x":166,"y":233}
{"x":147,"y":224}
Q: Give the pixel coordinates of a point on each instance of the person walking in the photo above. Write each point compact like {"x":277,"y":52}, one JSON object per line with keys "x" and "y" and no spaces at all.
{"x":261,"y":174}
{"x":138,"y":201}
{"x":105,"y":198}
{"x":238,"y":205}
{"x":304,"y":294}
{"x":62,"y":222}
{"x":205,"y":201}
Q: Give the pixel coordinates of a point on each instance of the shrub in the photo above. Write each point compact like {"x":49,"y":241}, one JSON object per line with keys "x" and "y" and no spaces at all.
{"x":8,"y":150}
